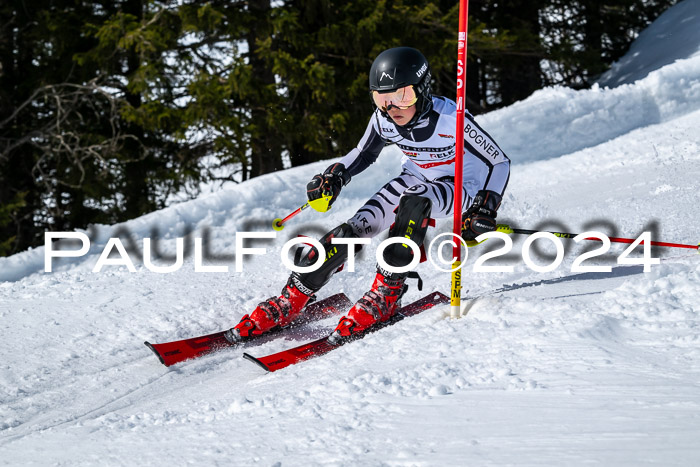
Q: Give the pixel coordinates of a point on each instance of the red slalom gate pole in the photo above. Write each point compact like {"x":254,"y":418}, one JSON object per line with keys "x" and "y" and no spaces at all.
{"x":459,"y":149}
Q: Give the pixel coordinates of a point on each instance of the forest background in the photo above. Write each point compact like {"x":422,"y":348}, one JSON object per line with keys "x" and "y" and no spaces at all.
{"x":113,"y":109}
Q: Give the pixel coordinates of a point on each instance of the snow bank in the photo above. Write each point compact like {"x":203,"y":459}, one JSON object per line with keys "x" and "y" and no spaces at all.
{"x":557,"y":121}
{"x":673,"y":36}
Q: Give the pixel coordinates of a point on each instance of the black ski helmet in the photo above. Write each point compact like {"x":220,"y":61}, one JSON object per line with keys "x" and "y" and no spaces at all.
{"x":399,"y":67}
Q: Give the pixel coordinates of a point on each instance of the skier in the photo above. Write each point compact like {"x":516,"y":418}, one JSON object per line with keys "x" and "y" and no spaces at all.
{"x":423,"y":127}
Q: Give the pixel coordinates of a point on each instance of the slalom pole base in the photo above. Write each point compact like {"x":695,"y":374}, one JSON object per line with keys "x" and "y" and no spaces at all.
{"x":455,"y":304}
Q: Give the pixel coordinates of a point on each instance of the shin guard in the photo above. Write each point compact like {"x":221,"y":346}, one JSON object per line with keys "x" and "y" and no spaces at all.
{"x":412,"y":221}
{"x":336,"y":255}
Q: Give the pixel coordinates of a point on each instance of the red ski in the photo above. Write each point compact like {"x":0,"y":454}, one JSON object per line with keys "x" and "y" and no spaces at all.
{"x":322,"y":346}
{"x":170,"y":353}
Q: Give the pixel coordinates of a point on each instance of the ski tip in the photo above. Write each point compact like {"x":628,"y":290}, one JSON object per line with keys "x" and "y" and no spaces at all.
{"x":160,"y":357}
{"x":249,"y":357}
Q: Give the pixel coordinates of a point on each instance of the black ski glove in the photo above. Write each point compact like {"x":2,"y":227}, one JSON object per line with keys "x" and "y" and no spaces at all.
{"x":329,"y":183}
{"x":481,"y":215}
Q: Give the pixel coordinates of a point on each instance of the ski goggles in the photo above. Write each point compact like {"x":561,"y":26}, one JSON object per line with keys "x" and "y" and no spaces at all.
{"x":402,"y":98}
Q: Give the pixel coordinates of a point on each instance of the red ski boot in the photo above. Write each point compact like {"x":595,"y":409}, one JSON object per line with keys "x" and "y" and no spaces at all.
{"x":276,"y":311}
{"x":379,"y":304}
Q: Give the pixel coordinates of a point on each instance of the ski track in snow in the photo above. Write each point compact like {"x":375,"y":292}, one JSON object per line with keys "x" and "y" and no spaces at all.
{"x":561,"y":368}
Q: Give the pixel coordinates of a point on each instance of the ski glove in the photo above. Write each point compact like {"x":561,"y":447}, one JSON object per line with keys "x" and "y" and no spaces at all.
{"x":481,"y":215}
{"x":329,"y":183}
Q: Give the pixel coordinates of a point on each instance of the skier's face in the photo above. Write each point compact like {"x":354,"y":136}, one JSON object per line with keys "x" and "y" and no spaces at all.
{"x":401,"y":116}
{"x":400,"y":104}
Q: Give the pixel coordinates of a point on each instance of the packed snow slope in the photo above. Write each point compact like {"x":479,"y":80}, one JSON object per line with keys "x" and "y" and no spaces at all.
{"x":557,"y":368}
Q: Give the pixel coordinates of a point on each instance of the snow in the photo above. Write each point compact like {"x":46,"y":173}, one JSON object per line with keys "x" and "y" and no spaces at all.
{"x":559,"y":368}
{"x":595,"y":115}
{"x":673,"y":36}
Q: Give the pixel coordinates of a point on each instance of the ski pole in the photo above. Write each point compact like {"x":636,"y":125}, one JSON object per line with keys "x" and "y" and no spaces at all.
{"x":505,"y":228}
{"x":321,"y":204}
{"x":278,"y":224}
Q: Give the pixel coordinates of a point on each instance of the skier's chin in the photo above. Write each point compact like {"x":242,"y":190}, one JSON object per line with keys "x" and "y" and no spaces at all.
{"x":401,"y":117}
{"x":399,"y":120}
